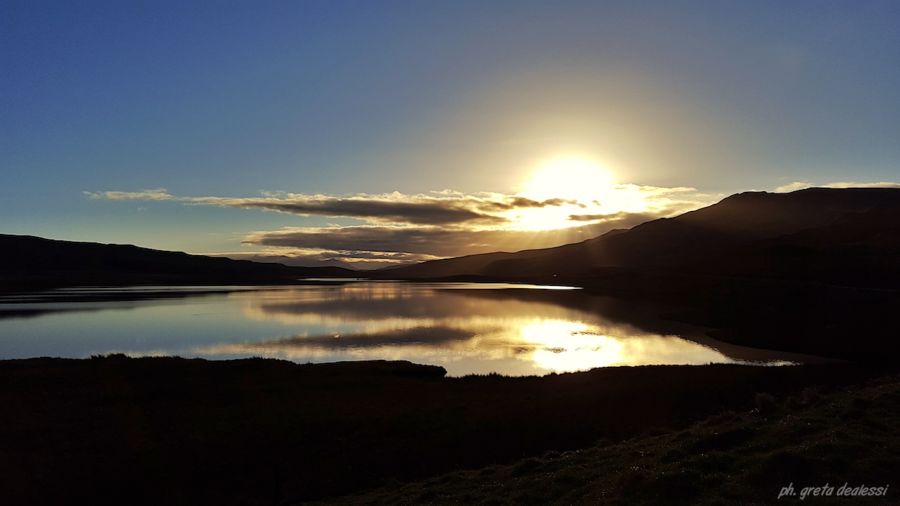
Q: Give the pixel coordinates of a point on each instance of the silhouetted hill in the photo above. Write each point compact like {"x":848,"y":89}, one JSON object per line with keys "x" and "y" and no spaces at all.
{"x":34,"y":261}
{"x":807,"y":234}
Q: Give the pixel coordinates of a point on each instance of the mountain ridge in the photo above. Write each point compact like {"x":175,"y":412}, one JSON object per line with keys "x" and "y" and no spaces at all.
{"x":27,"y":260}
{"x":696,"y":240}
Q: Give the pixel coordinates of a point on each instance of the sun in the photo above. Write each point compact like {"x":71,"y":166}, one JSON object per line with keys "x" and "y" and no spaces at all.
{"x":572,"y":178}
{"x":584,"y":190}
{"x":580,"y":182}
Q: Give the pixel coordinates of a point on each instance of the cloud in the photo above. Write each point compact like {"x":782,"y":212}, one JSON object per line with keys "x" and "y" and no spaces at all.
{"x":399,"y":228}
{"x":512,"y":202}
{"x":794,"y":186}
{"x":435,"y":241}
{"x":853,"y":184}
{"x":436,"y":208}
{"x":400,"y":208}
{"x":356,"y":259}
{"x":800,"y":185}
{"x":604,"y":217}
{"x":147,"y":195}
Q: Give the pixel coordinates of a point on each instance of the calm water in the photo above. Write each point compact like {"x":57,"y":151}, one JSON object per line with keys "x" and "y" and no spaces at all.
{"x":467,"y":328}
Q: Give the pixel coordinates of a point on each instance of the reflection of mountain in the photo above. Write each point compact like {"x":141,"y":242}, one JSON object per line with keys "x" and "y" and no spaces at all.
{"x":27,"y":261}
{"x":47,"y":302}
{"x":638,"y":317}
{"x":815,"y":270}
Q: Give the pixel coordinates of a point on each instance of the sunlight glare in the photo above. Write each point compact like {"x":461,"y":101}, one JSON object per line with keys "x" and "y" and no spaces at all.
{"x":569,"y":346}
{"x":569,"y":178}
{"x":587,"y":187}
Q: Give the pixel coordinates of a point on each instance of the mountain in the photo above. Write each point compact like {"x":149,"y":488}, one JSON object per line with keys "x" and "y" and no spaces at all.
{"x":807,"y":234}
{"x":34,"y":261}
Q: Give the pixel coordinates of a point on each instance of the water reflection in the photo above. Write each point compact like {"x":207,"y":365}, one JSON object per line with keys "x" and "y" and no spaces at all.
{"x":467,"y":328}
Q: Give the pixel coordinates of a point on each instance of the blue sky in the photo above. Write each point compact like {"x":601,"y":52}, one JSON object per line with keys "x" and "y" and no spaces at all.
{"x":338,"y":99}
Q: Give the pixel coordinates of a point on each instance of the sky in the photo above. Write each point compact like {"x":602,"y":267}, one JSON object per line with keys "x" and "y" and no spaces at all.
{"x":369,"y":133}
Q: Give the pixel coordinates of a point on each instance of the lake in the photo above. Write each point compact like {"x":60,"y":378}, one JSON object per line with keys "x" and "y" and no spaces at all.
{"x":467,"y":328}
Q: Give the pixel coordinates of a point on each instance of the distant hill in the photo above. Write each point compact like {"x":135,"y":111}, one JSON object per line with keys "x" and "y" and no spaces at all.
{"x":35,"y":261}
{"x":843,"y":235}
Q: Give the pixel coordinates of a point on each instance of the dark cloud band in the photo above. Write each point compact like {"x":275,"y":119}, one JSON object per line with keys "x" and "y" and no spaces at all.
{"x":436,"y":241}
{"x":444,"y":208}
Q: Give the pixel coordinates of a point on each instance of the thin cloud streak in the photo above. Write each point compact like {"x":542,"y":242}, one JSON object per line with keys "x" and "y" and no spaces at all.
{"x":801,"y":185}
{"x":418,"y":210}
{"x":360,"y":260}
{"x":437,"y":208}
{"x":147,"y":195}
{"x":598,"y":218}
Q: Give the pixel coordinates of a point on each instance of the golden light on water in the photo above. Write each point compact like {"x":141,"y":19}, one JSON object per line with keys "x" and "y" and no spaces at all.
{"x":561,"y":345}
{"x":565,"y":345}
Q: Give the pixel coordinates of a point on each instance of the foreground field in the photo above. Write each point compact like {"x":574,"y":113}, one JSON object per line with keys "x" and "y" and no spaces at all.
{"x":168,"y":430}
{"x":839,"y":447}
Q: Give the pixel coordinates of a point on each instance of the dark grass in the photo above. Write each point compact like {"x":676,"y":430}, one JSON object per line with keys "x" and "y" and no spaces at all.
{"x":168,"y":430}
{"x":808,"y":439}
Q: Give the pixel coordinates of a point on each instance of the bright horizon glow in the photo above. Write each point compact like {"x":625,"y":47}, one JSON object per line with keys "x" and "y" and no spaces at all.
{"x":589,"y":185}
{"x":575,"y":178}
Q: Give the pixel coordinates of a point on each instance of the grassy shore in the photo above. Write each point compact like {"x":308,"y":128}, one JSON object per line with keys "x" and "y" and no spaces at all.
{"x":837,"y":446}
{"x":154,"y":430}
